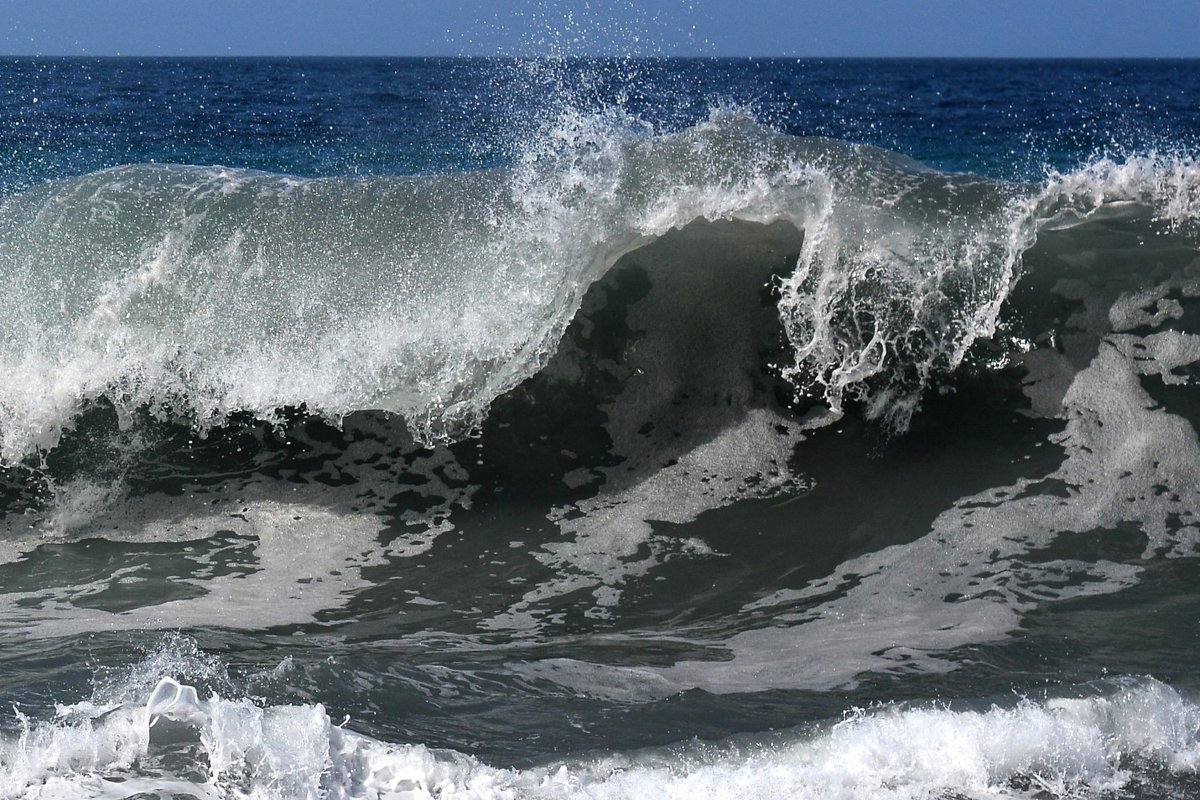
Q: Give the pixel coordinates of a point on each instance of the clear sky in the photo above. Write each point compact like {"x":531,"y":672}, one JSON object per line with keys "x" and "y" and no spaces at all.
{"x":1023,"y":28}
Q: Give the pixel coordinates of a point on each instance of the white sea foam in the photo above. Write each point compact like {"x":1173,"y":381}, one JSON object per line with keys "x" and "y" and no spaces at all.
{"x":1164,"y":186}
{"x":1081,"y":746}
{"x":250,"y":551}
{"x":253,"y":566}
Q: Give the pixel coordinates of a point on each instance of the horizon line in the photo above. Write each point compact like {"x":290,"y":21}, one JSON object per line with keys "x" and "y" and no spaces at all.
{"x":612,"y":56}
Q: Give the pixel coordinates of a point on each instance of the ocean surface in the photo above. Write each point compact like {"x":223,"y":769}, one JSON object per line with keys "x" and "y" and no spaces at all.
{"x":626,"y":428}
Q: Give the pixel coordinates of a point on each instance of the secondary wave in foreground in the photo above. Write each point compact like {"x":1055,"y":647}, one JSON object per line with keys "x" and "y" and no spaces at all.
{"x":141,"y":738}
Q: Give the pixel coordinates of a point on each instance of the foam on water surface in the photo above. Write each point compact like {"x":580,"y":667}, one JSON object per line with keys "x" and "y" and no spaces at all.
{"x":1096,"y":742}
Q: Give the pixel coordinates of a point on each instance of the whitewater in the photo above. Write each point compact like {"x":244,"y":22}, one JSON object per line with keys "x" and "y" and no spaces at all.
{"x":599,"y":428}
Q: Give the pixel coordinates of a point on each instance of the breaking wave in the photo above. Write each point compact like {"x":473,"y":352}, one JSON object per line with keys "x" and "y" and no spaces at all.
{"x":200,"y":293}
{"x":138,"y":738}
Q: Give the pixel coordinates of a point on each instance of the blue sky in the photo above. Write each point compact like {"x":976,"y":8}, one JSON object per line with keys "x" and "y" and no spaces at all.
{"x":1023,"y":28}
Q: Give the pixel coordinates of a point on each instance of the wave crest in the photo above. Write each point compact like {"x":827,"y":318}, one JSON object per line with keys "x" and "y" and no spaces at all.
{"x":1126,"y":734}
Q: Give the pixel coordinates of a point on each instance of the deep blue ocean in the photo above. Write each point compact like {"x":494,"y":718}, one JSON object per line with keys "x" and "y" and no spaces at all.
{"x":599,"y":428}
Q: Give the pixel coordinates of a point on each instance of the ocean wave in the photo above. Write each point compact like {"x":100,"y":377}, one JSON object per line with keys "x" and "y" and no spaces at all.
{"x":201,"y":293}
{"x":171,"y":738}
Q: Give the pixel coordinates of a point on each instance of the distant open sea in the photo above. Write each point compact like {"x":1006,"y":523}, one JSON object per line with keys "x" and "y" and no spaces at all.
{"x":599,"y":428}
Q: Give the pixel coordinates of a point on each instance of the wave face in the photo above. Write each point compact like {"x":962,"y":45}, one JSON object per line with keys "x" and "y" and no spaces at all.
{"x":562,"y":428}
